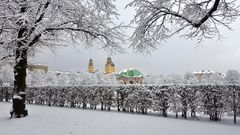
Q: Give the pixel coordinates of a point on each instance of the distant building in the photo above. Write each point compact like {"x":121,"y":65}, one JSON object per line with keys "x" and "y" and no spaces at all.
{"x":37,"y":68}
{"x":90,"y":66}
{"x":203,"y":74}
{"x":130,"y":76}
{"x":58,"y":73}
{"x":109,"y":66}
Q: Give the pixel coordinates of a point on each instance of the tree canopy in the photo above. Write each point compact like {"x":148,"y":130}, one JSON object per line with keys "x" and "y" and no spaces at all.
{"x":158,"y":20}
{"x":50,"y":22}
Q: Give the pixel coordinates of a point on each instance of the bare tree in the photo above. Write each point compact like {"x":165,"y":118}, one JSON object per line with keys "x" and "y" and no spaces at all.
{"x":28,"y":24}
{"x":158,"y":20}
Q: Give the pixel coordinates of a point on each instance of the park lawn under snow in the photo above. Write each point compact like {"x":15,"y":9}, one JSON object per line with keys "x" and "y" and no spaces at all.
{"x":43,"y":120}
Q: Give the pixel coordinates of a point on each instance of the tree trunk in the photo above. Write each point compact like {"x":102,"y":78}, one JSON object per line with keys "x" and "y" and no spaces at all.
{"x":193,"y":113}
{"x":19,"y":107}
{"x":176,"y":110}
{"x":176,"y":114}
{"x":164,"y":111}
{"x":84,"y":106}
{"x":184,"y":110}
{"x":184,"y":114}
{"x":1,"y":95}
{"x":49,"y":99}
{"x":234,"y":108}
{"x":6,"y":96}
{"x":215,"y":113}
{"x":118,"y":104}
{"x":102,"y":105}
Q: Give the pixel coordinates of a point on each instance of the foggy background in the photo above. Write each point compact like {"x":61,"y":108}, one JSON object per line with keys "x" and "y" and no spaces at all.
{"x":176,"y":56}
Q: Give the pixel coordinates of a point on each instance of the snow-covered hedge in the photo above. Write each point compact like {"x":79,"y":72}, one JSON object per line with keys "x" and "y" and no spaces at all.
{"x":6,"y":93}
{"x":212,"y":100}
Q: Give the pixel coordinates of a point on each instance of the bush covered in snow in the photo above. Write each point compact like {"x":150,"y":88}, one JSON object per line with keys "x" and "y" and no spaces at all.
{"x":56,"y":78}
{"x":212,"y":100}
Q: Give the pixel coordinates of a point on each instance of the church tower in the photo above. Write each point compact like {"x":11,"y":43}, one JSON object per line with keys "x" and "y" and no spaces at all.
{"x":90,"y":66}
{"x":109,"y":66}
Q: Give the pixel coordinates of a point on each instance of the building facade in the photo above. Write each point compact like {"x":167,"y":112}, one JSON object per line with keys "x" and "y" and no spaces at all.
{"x":37,"y":68}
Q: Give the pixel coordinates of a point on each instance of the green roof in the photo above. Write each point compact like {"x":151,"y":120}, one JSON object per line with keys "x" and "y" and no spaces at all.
{"x":130,"y":73}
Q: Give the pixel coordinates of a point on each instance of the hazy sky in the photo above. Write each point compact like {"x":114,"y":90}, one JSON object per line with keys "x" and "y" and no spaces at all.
{"x":177,"y":56}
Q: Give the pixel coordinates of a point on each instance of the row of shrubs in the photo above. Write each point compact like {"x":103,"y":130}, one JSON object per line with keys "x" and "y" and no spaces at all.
{"x":211,"y":100}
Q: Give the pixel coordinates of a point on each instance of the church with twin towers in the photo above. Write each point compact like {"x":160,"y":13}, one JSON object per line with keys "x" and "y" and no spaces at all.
{"x":109,"y":67}
{"x":126,"y":76}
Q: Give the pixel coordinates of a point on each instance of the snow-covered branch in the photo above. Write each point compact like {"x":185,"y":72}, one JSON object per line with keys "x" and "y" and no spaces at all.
{"x":157,"y":20}
{"x":76,"y":21}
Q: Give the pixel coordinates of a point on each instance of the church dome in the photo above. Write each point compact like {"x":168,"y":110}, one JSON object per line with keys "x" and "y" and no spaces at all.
{"x":109,"y":58}
{"x":130,"y":73}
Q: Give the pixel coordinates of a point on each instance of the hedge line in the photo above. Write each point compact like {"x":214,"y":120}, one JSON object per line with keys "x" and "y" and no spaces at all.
{"x":212,"y":100}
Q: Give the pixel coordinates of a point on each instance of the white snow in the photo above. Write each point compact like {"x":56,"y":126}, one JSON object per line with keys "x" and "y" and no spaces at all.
{"x":17,"y":97}
{"x":43,"y":120}
{"x":22,"y":92}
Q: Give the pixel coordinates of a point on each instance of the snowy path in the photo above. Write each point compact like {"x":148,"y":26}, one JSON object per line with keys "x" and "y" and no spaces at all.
{"x":64,"y":121}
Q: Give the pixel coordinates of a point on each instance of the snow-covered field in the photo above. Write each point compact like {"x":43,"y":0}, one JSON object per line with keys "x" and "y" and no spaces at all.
{"x":65,"y":121}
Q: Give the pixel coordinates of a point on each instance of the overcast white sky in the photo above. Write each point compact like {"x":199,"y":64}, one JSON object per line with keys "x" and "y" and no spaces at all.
{"x":177,"y":56}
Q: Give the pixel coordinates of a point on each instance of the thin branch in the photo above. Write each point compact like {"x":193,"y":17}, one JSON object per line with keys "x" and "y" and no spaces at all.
{"x":7,"y":56}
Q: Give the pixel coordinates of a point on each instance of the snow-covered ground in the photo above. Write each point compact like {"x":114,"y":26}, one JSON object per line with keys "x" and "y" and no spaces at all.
{"x":65,"y":121}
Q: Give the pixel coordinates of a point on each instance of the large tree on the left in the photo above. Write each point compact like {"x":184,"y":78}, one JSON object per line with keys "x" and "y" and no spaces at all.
{"x":28,"y":24}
